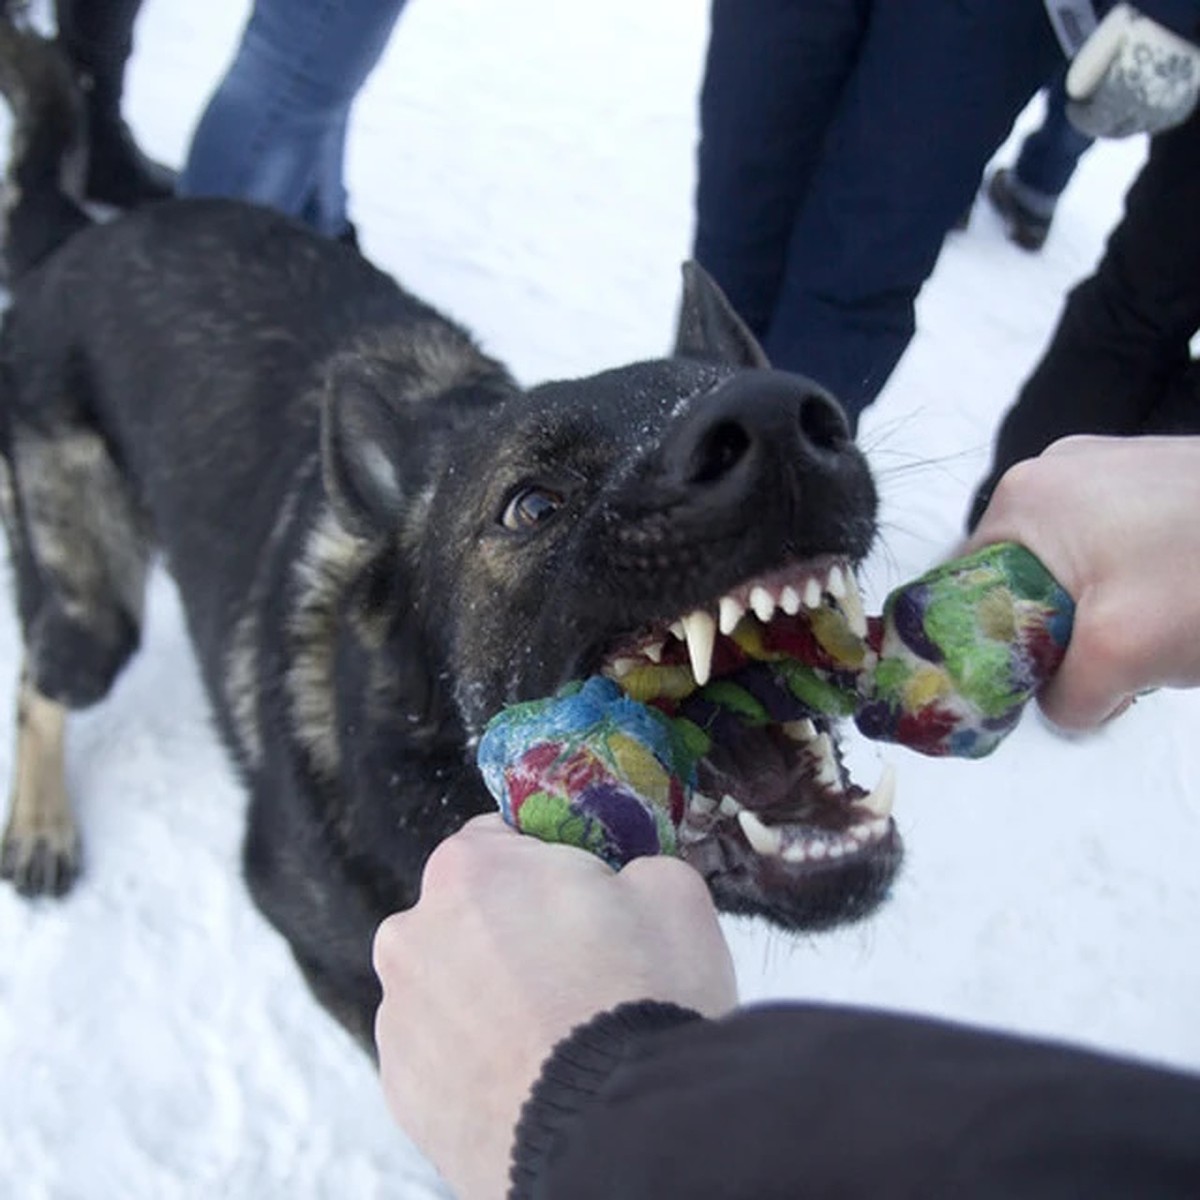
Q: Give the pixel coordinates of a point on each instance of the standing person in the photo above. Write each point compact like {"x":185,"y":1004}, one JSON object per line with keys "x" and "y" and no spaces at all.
{"x":96,"y":37}
{"x":274,"y":131}
{"x":1119,"y":361}
{"x":841,"y":140}
{"x":550,"y":1022}
{"x":1026,"y":194}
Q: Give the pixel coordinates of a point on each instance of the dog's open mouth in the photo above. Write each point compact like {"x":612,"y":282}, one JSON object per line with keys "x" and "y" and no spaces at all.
{"x":759,"y":679}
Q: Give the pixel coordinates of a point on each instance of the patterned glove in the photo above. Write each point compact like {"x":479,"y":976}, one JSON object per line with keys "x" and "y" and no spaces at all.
{"x":1132,"y":76}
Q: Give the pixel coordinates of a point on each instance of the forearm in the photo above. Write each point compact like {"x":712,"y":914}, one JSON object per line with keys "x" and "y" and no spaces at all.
{"x":822,"y":1101}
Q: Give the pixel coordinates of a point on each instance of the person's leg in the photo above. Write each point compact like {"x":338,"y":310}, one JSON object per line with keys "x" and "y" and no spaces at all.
{"x":936,"y":89}
{"x":773,"y":77}
{"x":1050,"y":154}
{"x":1119,"y":355}
{"x":326,"y":207}
{"x":97,"y":38}
{"x":1026,"y":194}
{"x":273,"y":132}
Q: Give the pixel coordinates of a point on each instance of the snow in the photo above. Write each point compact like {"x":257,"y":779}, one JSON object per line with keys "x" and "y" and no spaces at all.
{"x":528,"y":167}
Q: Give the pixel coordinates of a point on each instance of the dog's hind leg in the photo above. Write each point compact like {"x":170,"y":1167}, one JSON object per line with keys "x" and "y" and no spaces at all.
{"x":80,"y":555}
{"x":40,"y":849}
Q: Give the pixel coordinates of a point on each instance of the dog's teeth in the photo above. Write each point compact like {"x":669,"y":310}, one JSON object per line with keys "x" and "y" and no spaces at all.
{"x":729,"y":807}
{"x":870,"y":831}
{"x":789,"y":600}
{"x":883,"y":796}
{"x":701,"y":804}
{"x":852,"y":607}
{"x":654,"y":651}
{"x":797,"y":852}
{"x":835,"y":585}
{"x":800,"y":731}
{"x":763,"y":840}
{"x":818,"y":850}
{"x":701,"y":633}
{"x":676,"y":630}
{"x":730,"y":613}
{"x":827,"y":768}
{"x":620,"y":667}
{"x":812,"y":592}
{"x":763,"y":603}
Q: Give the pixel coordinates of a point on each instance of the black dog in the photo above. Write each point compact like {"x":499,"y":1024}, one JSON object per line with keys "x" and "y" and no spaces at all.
{"x":380,"y":540}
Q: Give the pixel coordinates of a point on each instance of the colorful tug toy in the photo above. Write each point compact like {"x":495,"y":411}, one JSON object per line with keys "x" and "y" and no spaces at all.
{"x":609,"y":764}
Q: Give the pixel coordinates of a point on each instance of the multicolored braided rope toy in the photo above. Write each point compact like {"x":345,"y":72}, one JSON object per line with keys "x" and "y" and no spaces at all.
{"x":946,"y":670}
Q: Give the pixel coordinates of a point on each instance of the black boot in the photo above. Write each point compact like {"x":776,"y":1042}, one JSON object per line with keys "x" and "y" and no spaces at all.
{"x":1025,"y":226}
{"x":97,"y":37}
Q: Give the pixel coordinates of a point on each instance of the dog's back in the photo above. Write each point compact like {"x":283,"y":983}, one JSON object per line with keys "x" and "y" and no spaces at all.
{"x":192,"y":336}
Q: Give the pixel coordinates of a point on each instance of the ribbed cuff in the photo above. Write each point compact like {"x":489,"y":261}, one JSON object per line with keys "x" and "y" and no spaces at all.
{"x":573,"y":1075}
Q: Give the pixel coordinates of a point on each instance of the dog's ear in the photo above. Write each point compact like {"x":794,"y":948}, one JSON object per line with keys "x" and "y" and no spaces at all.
{"x":709,"y":329}
{"x":365,"y":421}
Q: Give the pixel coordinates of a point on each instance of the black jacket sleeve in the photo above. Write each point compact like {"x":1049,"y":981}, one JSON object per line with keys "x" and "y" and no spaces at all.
{"x":651,"y":1101}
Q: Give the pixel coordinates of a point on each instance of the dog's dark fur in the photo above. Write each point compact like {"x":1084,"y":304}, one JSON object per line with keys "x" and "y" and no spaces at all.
{"x":379,"y":538}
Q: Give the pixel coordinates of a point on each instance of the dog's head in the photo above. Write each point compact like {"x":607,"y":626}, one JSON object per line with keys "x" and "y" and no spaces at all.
{"x":583,"y":526}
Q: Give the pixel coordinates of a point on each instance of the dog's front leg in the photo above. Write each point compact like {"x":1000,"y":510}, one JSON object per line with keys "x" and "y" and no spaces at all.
{"x":40,"y":850}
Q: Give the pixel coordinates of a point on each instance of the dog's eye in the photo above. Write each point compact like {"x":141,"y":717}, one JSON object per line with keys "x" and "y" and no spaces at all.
{"x":530,"y":507}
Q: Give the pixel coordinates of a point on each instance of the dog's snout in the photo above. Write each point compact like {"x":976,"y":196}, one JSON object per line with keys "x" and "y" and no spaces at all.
{"x":719,"y":450}
{"x":823,"y":424}
{"x":752,"y":419}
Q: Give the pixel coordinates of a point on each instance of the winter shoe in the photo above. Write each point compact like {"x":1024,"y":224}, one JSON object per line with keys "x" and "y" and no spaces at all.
{"x":1023,"y":224}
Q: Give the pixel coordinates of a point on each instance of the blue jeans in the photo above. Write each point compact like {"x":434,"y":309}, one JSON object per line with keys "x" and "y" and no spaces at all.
{"x":274,"y":131}
{"x":840,"y":140}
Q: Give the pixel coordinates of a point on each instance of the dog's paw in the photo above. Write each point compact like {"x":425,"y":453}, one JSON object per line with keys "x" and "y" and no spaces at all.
{"x":43,"y":862}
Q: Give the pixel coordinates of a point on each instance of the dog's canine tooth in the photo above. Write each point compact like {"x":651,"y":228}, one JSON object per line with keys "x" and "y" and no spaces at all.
{"x":812,"y":592}
{"x":762,"y":602}
{"x":654,"y":651}
{"x":852,"y":608}
{"x":764,"y":840}
{"x":729,"y":612}
{"x":700,"y":631}
{"x":835,"y":585}
{"x":800,"y":731}
{"x":827,"y":767}
{"x":881,"y":798}
{"x":789,"y":600}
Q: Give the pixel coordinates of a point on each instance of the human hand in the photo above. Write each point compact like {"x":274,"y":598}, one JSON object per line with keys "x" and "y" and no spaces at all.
{"x":1132,"y":76}
{"x":1115,"y":521}
{"x":512,"y":944}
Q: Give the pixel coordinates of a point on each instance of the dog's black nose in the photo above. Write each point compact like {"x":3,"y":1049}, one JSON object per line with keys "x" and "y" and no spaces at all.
{"x":752,"y":419}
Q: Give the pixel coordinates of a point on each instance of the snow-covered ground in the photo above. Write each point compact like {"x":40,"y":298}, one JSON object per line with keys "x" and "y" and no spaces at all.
{"x":528,"y":167}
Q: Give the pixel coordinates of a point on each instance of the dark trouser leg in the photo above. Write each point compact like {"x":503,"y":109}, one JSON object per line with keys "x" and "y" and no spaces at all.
{"x":1050,"y":154}
{"x":935,"y":90}
{"x":773,"y":78}
{"x":1119,"y":357}
{"x":97,"y":36}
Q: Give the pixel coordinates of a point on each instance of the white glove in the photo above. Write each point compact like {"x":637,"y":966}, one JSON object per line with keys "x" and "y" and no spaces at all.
{"x":1132,"y":76}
